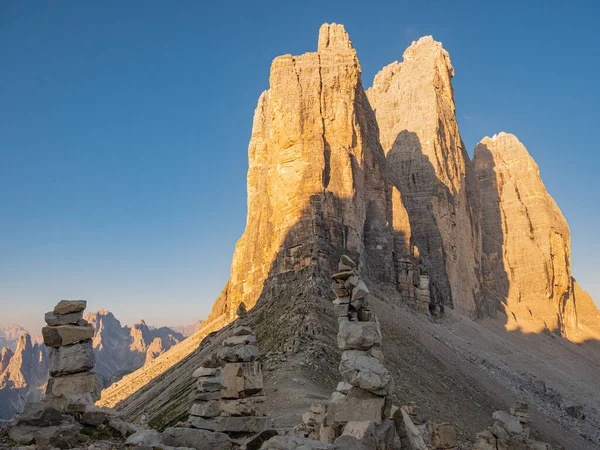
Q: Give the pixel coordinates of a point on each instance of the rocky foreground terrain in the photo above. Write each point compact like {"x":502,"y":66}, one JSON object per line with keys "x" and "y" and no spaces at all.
{"x":487,"y":339}
{"x":119,"y":350}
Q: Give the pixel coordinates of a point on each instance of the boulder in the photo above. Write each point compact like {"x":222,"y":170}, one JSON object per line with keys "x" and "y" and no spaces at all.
{"x":364,"y":431}
{"x":54,"y":320}
{"x":353,"y":409}
{"x":211,"y":408}
{"x":62,"y":389}
{"x":66,"y":334}
{"x":238,"y":353}
{"x":94,"y":416}
{"x":250,"y":406}
{"x":194,"y":438}
{"x":386,"y":433}
{"x":63,"y":436}
{"x":146,"y":438}
{"x":364,"y":371}
{"x":255,"y":441}
{"x":71,"y":359}
{"x":23,"y":434}
{"x":358,"y":335}
{"x":351,"y":282}
{"x":41,"y":414}
{"x":70,"y":306}
{"x":442,"y":435}
{"x":242,"y":379}
{"x":347,"y":442}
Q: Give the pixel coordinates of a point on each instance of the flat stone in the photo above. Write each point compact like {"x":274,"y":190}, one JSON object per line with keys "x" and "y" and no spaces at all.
{"x":212,"y":384}
{"x":54,"y":320}
{"x":210,"y":408}
{"x":353,"y":409}
{"x":78,"y":403}
{"x":364,"y":371}
{"x":63,"y":436}
{"x":341,"y":301}
{"x":206,"y":372}
{"x":242,"y":379}
{"x":249,"y":406}
{"x":244,"y":339}
{"x":343,"y":387}
{"x":239,"y":353}
{"x":358,"y":335}
{"x":146,"y":438}
{"x":364,"y":431}
{"x":72,"y":385}
{"x":41,"y":414}
{"x":241,"y":330}
{"x":66,"y":335}
{"x":206,"y":396}
{"x":195,"y":438}
{"x":71,"y":359}
{"x":232,"y":424}
{"x":94,"y":416}
{"x":511,"y":423}
{"x":339,"y":290}
{"x":69,"y":306}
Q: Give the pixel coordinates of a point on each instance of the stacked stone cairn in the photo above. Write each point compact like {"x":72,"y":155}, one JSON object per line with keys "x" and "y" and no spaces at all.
{"x":229,"y":396}
{"x":360,"y":406}
{"x":510,"y":430}
{"x":72,"y":388}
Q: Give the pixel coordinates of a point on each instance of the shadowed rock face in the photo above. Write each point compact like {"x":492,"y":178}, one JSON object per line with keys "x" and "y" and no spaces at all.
{"x":315,"y":164}
{"x":414,"y":105}
{"x":526,"y":242}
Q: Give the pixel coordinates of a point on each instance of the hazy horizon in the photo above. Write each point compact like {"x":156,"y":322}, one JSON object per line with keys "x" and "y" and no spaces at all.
{"x":124,"y":133}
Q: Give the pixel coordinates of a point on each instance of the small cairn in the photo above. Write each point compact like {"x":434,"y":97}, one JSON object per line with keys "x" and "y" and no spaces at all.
{"x":360,"y":406}
{"x":510,"y":430}
{"x":71,"y":357}
{"x":72,"y":388}
{"x":229,"y":397}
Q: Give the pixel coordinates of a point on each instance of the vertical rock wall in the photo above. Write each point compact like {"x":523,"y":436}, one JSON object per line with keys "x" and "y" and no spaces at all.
{"x":427,"y":162}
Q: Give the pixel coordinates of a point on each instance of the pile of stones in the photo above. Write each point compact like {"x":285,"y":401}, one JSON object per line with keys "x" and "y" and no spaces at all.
{"x":510,"y":430}
{"x":229,"y":400}
{"x":68,"y":407}
{"x":71,"y":356}
{"x":419,"y":434}
{"x":360,"y":407}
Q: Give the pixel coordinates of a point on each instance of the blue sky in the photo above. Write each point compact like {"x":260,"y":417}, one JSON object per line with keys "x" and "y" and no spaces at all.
{"x":124,"y":129}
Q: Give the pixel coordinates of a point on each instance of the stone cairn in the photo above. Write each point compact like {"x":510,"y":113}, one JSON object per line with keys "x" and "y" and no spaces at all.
{"x":229,"y":396}
{"x":361,"y":405}
{"x":68,"y":405}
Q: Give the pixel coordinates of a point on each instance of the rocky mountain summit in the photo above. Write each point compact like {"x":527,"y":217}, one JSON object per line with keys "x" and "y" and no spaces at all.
{"x":9,"y":336}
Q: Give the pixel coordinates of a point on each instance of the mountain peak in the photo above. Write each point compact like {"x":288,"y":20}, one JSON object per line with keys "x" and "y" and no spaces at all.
{"x":333,"y":35}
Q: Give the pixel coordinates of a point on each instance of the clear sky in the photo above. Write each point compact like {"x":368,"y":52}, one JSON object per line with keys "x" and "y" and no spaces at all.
{"x":124,"y":129}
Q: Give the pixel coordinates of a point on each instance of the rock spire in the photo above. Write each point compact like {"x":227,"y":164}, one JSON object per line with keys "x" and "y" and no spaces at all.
{"x":428,"y":163}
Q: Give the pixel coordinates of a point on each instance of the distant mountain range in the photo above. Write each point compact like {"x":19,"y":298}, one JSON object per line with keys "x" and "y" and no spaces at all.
{"x":119,"y":350}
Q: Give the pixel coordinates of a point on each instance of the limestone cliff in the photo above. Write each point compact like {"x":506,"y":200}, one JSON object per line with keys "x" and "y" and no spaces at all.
{"x":315,"y":167}
{"x":526,"y":244}
{"x":427,"y":161}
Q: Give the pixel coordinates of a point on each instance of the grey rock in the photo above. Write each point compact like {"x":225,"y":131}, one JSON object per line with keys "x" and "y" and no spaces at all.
{"x":63,"y":436}
{"x":238,"y":353}
{"x":360,"y":291}
{"x":511,"y":423}
{"x":212,"y":384}
{"x":250,"y":406}
{"x":354,"y":409}
{"x":575,"y":411}
{"x":255,"y":441}
{"x":147,"y":438}
{"x":345,"y":259}
{"x":66,"y":335}
{"x":364,"y":371}
{"x":358,"y":335}
{"x":347,"y":442}
{"x":248,"y":424}
{"x":194,"y":438}
{"x":41,"y":414}
{"x":344,"y":275}
{"x":69,"y":306}
{"x":125,"y":428}
{"x":243,"y":339}
{"x":23,"y":434}
{"x":242,"y":379}
{"x":205,"y":396}
{"x":241,"y":330}
{"x":54,"y":320}
{"x":71,"y":359}
{"x":206,"y":372}
{"x":210,"y":408}
{"x":62,"y":389}
{"x":364,"y":431}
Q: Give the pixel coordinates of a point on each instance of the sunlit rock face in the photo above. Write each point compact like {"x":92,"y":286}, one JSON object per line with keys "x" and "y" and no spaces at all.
{"x":526,"y":243}
{"x":427,"y":161}
{"x":315,"y":177}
